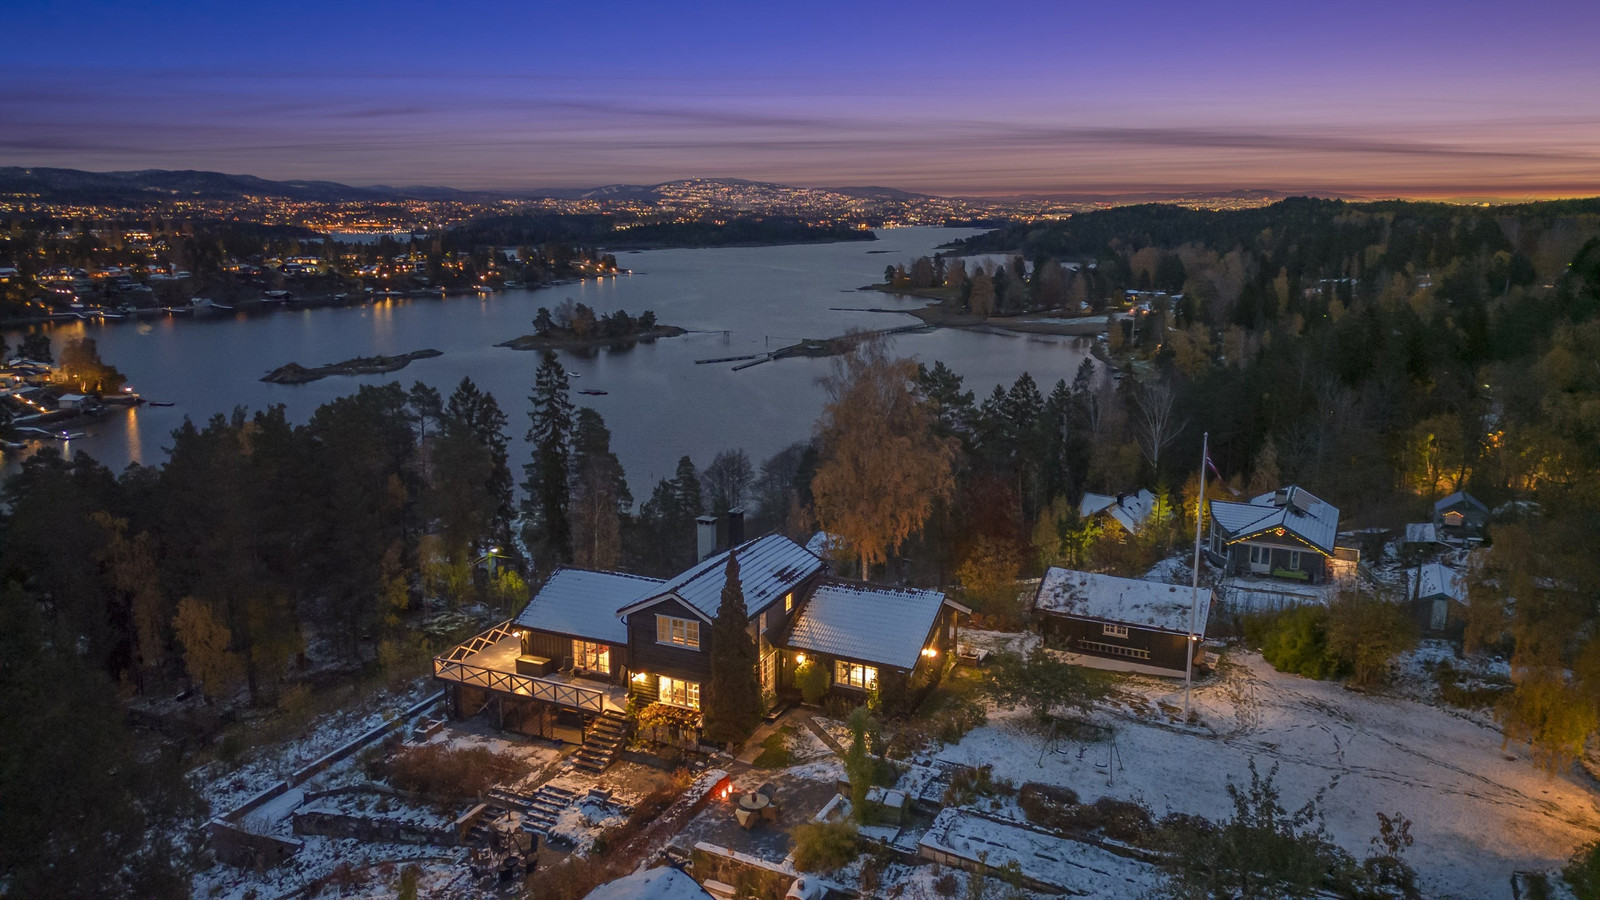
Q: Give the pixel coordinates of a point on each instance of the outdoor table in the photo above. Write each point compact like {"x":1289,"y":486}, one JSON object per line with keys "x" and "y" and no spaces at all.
{"x":753,"y":802}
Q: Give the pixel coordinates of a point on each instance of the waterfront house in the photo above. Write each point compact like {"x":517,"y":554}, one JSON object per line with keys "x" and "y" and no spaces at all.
{"x":1128,"y":510}
{"x":1287,"y":534}
{"x":1125,"y":624}
{"x":590,"y":644}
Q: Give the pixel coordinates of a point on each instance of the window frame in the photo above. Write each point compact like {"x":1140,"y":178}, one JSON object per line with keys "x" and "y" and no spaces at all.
{"x":668,"y":690}
{"x":672,"y":631}
{"x":583,"y":650}
{"x":1109,"y":629}
{"x":858,"y":676}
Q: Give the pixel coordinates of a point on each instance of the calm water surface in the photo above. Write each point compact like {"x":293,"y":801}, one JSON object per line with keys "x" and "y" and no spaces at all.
{"x":660,"y":405}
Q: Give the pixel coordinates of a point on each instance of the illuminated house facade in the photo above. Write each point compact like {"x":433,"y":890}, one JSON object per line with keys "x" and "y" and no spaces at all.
{"x":590,"y":642}
{"x":1286,"y":534}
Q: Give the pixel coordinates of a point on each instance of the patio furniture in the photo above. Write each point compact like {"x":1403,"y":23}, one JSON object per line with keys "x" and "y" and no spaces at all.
{"x":754,"y":802}
{"x":767,"y":790}
{"x":745,"y":817}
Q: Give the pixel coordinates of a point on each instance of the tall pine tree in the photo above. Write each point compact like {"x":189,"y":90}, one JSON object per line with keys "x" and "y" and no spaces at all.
{"x":733,"y":707}
{"x":550,"y":472}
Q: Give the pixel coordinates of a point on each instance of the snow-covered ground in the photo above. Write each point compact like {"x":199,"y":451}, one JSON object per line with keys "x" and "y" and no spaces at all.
{"x":1479,"y":809}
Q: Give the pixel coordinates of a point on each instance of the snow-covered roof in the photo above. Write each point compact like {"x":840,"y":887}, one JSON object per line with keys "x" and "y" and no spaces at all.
{"x":1152,"y":605}
{"x":584,"y":603}
{"x":1130,"y":510}
{"x":867,"y":622}
{"x":822,"y":543}
{"x":1422,"y":533}
{"x":1459,"y":497}
{"x":769,"y":567}
{"x":1293,"y":509}
{"x":664,"y":883}
{"x":1434,"y":579}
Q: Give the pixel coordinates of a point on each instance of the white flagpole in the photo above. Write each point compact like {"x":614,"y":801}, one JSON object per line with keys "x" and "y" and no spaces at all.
{"x":1194,"y":597}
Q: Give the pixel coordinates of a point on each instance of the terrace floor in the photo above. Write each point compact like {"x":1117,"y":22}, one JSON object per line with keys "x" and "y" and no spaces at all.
{"x":501,"y":656}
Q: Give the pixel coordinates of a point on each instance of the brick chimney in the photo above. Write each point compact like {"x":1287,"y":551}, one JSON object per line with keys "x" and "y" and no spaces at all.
{"x":735,"y":527}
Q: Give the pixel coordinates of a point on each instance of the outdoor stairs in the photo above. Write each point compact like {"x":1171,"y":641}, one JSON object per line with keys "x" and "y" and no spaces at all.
{"x":540,"y":812}
{"x":605,"y":740}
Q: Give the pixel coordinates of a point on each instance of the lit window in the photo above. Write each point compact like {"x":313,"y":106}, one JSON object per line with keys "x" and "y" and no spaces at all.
{"x":855,"y":675}
{"x":788,"y":602}
{"x":1110,"y":630}
{"x":678,"y":632}
{"x":680,"y":693}
{"x":591,"y":657}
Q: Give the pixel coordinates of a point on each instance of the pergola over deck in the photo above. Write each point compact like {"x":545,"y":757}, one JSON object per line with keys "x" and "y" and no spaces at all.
{"x":489,"y":661}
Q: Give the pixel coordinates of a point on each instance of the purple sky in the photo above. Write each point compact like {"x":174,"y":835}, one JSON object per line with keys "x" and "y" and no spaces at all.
{"x":1400,"y":97}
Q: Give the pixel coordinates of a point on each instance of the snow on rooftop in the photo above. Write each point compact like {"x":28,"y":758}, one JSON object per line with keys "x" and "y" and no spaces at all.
{"x":1422,"y":533}
{"x":665,"y":883}
{"x":1130,"y":510}
{"x":584,"y":603}
{"x":1292,"y":508}
{"x":866,"y":622}
{"x":1435,"y":579}
{"x":1072,"y":865}
{"x":1459,"y":497}
{"x":1146,"y":604}
{"x":769,"y":567}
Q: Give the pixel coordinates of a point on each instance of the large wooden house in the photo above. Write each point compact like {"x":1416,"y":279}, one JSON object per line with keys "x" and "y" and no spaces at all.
{"x":1287,"y":534}
{"x":1124,"y":624}
{"x":589,"y":642}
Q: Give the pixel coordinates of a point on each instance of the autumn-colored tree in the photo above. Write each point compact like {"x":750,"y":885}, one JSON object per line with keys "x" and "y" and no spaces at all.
{"x":131,"y":566}
{"x":983,"y":295}
{"x":989,"y":579}
{"x":205,"y":648}
{"x":881,"y":466}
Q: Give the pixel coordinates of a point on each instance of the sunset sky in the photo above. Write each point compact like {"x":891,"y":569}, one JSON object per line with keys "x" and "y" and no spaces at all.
{"x":1375,"y":98}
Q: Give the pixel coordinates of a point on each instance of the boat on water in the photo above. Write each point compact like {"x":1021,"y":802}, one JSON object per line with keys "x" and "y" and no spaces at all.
{"x":205,"y":303}
{"x":594,"y":393}
{"x":154,"y":403}
{"x":275,"y":296}
{"x":485,"y":288}
{"x":340,"y":298}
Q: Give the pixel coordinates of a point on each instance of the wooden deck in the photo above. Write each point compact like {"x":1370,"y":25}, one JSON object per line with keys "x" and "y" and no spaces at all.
{"x":489,"y":661}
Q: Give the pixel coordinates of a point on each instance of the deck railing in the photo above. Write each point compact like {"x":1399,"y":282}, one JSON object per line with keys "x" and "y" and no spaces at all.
{"x":450,"y":667}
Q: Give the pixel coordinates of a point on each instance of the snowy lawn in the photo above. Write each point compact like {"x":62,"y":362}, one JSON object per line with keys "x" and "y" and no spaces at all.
{"x":1479,"y":810}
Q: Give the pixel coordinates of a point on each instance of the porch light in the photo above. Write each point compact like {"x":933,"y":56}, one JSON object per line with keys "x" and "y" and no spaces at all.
{"x":640,"y":676}
{"x":800,"y":659}
{"x":930,"y":652}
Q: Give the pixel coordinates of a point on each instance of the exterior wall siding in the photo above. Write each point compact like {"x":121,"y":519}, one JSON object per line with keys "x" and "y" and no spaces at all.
{"x":661,"y":659}
{"x":1165,"y":650}
{"x":558,"y":647}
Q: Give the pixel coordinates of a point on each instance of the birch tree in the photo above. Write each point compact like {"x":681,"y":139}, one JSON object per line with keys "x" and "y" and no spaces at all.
{"x":881,"y":467}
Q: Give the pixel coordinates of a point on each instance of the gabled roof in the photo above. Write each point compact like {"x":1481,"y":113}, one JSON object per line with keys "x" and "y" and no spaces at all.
{"x":1152,"y":605}
{"x":1294,"y":509}
{"x":1436,"y":580}
{"x":869,"y":623}
{"x":1459,"y":497}
{"x":584,"y":603}
{"x":1130,"y":510}
{"x":664,"y":883}
{"x":1422,"y":533}
{"x":769,"y":567}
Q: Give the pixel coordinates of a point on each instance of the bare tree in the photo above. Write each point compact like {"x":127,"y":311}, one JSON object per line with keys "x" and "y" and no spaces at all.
{"x":1155,"y":425}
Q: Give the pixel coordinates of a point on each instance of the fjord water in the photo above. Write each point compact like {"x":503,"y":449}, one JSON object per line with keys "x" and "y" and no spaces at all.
{"x":659,"y":404}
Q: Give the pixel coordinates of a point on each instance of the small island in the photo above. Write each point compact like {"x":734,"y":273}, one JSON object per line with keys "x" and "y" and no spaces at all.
{"x":574,"y":326}
{"x":294,"y":373}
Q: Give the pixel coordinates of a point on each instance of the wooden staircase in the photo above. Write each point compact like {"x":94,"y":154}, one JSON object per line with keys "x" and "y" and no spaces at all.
{"x":605,"y":740}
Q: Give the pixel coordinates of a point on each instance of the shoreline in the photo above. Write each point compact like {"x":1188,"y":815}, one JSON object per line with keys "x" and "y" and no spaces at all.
{"x":535,"y":342}
{"x":294,"y":373}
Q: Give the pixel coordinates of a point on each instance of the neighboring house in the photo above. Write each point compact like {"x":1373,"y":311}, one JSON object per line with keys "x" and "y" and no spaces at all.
{"x":663,"y":883}
{"x":590,"y":642}
{"x":1121,"y":623}
{"x":1460,"y":515}
{"x":1288,"y":533}
{"x":1438,"y":597}
{"x":1128,"y":510}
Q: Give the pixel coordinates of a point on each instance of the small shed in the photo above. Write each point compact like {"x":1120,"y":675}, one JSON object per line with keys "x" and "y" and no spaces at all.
{"x":1125,"y":624}
{"x":71,"y":401}
{"x":1438,"y":596}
